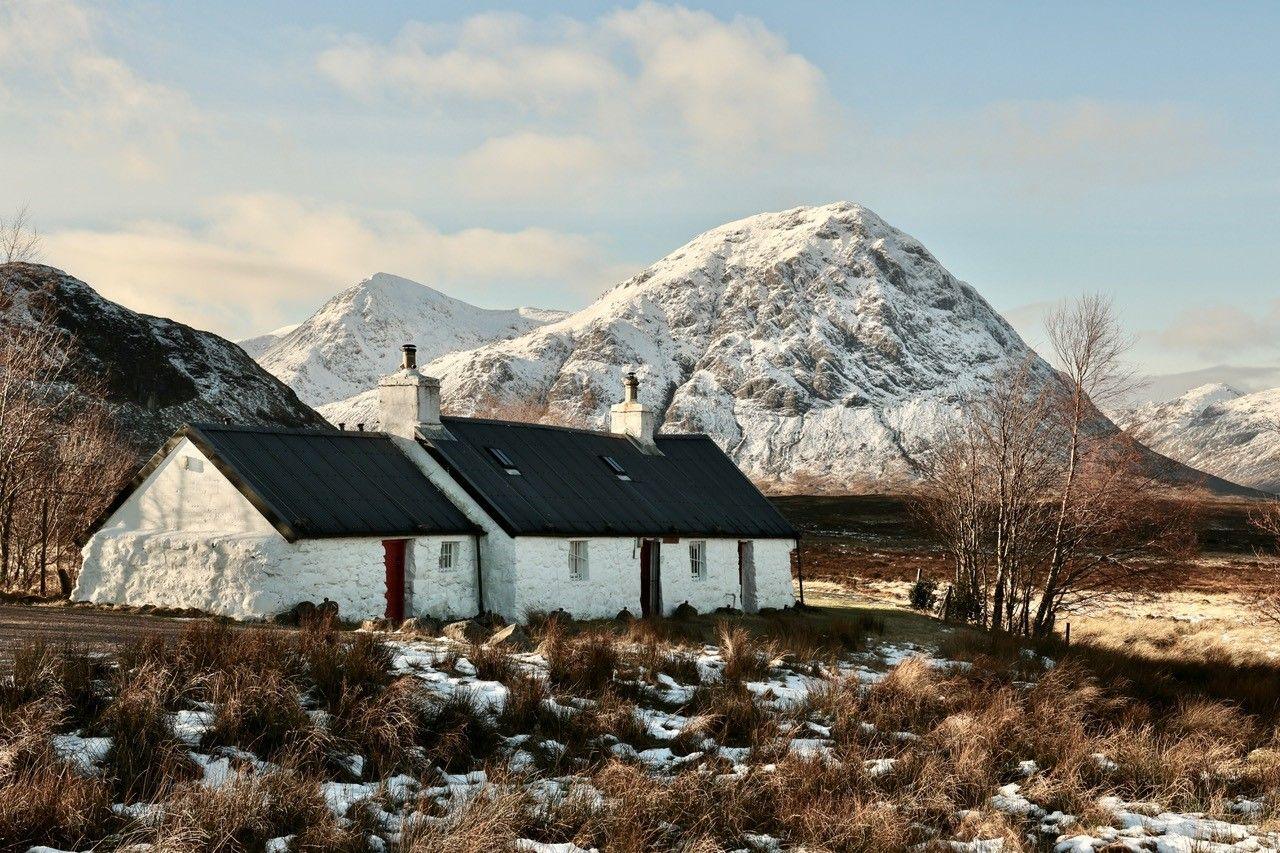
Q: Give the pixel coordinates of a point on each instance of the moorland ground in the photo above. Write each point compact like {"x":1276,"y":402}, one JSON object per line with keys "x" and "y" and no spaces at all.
{"x":866,"y":550}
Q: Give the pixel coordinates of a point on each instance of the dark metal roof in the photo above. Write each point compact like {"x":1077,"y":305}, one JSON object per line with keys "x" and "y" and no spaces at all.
{"x":325,"y":483}
{"x":564,"y":487}
{"x":313,"y":484}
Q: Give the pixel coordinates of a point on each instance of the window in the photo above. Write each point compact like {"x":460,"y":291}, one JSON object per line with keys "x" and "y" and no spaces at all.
{"x":191,"y":463}
{"x":505,"y":461}
{"x":617,"y":469}
{"x":698,"y":560}
{"x":448,"y":555}
{"x":577,"y":560}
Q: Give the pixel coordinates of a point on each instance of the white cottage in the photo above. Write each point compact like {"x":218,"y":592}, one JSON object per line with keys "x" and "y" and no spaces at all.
{"x":441,"y":516}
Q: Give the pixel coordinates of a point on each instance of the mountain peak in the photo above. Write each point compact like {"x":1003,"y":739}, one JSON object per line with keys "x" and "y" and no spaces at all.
{"x":355,"y":337}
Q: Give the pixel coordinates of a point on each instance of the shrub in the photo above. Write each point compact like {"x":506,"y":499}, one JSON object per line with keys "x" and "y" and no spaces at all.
{"x":923,"y":595}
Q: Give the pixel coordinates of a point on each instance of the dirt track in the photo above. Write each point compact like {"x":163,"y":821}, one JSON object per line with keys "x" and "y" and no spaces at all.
{"x":77,"y":626}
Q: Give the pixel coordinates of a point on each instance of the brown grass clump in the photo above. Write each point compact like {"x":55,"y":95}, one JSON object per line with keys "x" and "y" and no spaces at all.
{"x":493,"y":663}
{"x":145,"y":759}
{"x":43,"y":799}
{"x":584,"y":664}
{"x":490,"y":821}
{"x":338,"y":664}
{"x":261,"y":712}
{"x":388,"y":728}
{"x":245,"y":813}
{"x":745,"y":657}
{"x":731,"y":714}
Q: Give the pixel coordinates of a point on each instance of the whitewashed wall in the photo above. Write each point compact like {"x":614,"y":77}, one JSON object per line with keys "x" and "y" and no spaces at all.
{"x":613,"y":577}
{"x":532,"y":573}
{"x":189,"y":538}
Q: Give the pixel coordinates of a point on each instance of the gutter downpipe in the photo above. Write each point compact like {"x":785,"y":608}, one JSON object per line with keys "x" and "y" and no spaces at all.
{"x":800,"y":568}
{"x":479,"y":578}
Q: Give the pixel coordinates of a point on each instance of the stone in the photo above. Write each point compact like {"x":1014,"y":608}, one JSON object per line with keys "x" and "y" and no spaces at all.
{"x":465,"y":631}
{"x":512,"y":637}
{"x":375,"y":625}
{"x":420,"y":625}
{"x":625,"y":615}
{"x":685,"y":610}
{"x":491,"y":620}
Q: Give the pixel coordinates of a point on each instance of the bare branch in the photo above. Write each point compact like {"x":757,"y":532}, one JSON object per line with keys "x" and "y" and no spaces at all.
{"x":19,"y":240}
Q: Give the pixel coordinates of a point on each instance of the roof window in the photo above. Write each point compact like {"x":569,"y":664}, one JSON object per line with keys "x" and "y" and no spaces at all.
{"x":616,"y":468}
{"x":505,"y":461}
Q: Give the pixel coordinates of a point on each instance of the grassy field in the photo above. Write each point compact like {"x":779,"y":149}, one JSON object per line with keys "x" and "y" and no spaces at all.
{"x":823,"y":730}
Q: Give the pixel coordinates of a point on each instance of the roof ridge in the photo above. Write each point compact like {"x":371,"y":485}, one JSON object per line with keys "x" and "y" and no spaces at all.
{"x":266,"y":429}
{"x":604,"y":433}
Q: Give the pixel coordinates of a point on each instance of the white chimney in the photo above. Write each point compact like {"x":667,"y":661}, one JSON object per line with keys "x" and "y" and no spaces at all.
{"x":631,"y":417}
{"x":408,"y":399}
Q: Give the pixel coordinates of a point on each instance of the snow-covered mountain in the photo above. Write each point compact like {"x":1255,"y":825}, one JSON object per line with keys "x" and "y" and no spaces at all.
{"x":355,"y":337}
{"x":156,"y":374}
{"x":259,"y":344}
{"x":817,"y":341}
{"x":1217,"y":429}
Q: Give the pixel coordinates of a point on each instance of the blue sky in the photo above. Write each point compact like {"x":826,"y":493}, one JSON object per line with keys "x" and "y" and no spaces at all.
{"x":233,"y":165}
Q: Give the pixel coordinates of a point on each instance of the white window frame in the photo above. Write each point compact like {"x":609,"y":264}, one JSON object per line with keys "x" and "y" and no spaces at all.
{"x":579,"y":559}
{"x":450,"y":549}
{"x":698,"y":559}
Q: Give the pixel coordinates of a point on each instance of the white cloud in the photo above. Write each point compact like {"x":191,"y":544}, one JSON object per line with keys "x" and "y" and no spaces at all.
{"x":56,"y":70}
{"x":733,"y":83}
{"x":259,"y":261}
{"x":1216,"y":331}
{"x":530,"y":165}
{"x":720,"y":84}
{"x":1073,"y":144}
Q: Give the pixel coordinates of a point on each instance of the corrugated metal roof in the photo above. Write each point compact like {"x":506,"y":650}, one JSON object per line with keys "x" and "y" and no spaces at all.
{"x":327,"y":483}
{"x":565,"y":487}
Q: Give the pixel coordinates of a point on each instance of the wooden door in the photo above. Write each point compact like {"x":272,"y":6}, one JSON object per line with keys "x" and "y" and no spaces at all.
{"x":650,"y":578}
{"x":393,"y":558}
{"x":747,"y":576}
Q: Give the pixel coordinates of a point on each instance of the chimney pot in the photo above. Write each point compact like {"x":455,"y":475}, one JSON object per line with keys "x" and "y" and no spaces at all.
{"x":342,"y":426}
{"x":631,"y":417}
{"x":359,"y":427}
{"x":408,"y":399}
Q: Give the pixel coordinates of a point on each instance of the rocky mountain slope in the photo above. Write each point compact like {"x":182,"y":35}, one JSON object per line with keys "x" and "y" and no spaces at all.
{"x":813,"y":342}
{"x":259,"y":344}
{"x":154,"y":373}
{"x":1217,"y":429}
{"x":355,"y":337}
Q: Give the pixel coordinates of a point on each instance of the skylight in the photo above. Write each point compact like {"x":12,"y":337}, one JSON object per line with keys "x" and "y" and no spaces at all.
{"x":505,"y":461}
{"x":615,"y":467}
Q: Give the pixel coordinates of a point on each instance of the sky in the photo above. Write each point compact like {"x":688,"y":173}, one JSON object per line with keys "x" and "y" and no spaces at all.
{"x":233,"y":165}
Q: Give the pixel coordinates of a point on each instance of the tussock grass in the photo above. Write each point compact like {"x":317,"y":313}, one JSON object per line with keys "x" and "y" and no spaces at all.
{"x":1094,"y":724}
{"x":145,"y":759}
{"x":584,"y":663}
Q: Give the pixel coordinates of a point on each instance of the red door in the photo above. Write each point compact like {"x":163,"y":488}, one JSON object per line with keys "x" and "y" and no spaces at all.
{"x":393,"y":557}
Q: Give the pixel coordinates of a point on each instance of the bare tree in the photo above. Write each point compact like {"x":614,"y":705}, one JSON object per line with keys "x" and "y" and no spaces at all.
{"x":61,"y":459}
{"x":1040,"y":503}
{"x":19,"y":240}
{"x":1089,"y":347}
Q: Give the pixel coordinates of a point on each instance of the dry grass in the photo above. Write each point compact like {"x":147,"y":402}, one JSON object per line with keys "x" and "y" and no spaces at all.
{"x":1169,"y":733}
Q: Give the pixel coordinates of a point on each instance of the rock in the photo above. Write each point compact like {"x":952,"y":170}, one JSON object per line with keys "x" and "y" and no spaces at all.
{"x":685,"y":610}
{"x":512,"y":637}
{"x":376,"y":625}
{"x":625,"y":615}
{"x":466,"y":631}
{"x":421,"y":626}
{"x":491,"y":620}
{"x":728,"y":611}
